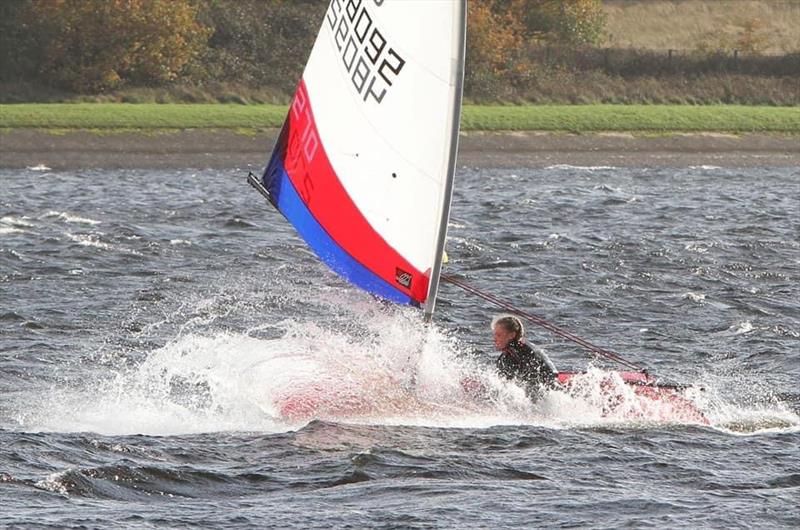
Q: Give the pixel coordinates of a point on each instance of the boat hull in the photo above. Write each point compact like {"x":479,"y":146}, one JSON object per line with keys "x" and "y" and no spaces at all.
{"x":656,"y":400}
{"x":623,"y":396}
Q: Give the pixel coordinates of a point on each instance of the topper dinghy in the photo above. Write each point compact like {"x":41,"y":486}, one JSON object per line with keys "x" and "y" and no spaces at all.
{"x":364,"y":164}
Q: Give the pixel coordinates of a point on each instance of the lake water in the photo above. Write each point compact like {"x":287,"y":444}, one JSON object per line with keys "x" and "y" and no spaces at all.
{"x":152,"y":323}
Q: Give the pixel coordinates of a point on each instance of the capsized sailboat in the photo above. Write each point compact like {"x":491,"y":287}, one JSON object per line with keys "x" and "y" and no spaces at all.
{"x":364,"y":164}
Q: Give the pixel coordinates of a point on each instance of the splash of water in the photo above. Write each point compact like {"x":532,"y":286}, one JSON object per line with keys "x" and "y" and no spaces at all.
{"x":370,"y":364}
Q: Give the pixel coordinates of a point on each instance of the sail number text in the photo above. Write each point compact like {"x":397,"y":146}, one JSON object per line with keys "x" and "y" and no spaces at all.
{"x":305,"y":142}
{"x":371,"y":64}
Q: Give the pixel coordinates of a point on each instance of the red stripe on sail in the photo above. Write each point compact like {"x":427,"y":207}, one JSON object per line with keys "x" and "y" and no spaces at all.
{"x":315,"y":180}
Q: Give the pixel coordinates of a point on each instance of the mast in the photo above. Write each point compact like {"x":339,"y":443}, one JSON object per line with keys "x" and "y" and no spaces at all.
{"x":455,"y":118}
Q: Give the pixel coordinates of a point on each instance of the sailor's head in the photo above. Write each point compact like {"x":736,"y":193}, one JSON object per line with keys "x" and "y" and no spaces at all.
{"x":506,"y":328}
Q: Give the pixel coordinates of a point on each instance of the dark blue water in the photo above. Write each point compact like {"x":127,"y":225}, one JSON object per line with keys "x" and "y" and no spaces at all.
{"x":153,"y":325}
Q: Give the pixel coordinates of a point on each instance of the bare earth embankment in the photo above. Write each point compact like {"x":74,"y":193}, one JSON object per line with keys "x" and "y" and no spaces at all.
{"x":226,"y":149}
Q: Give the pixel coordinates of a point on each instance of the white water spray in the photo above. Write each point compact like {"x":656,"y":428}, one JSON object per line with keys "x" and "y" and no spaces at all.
{"x":370,"y":364}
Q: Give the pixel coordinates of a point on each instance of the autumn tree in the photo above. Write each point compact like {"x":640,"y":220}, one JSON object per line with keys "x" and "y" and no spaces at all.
{"x":259,"y":42}
{"x":494,"y":46}
{"x":566,"y":22}
{"x":94,"y":45}
{"x":18,"y":51}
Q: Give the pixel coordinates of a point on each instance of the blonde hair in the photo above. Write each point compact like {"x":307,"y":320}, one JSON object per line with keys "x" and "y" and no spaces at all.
{"x":510,"y":323}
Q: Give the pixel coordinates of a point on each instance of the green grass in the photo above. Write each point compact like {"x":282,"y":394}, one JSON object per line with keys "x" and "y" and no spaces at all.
{"x":573,"y":118}
{"x":140,"y":116}
{"x":634,"y":118}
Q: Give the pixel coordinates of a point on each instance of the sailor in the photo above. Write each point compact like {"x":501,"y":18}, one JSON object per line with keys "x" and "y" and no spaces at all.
{"x":528,"y":366}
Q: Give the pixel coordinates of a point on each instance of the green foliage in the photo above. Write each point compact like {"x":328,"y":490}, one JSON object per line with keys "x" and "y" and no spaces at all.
{"x":494,"y":51}
{"x":96,"y":45}
{"x":253,"y":51}
{"x":19,"y":53}
{"x":260,"y":42}
{"x":565,"y":22}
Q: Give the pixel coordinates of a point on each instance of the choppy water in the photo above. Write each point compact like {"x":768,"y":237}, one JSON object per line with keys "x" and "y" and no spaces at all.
{"x":152,"y":323}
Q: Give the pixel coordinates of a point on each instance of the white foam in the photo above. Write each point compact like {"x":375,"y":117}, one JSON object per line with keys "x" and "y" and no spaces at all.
{"x":376,"y":365}
{"x":94,"y":241}
{"x":89,"y":240}
{"x":70,"y":218}
{"x":392,"y":370}
{"x":54,"y":483}
{"x":742,"y":327}
{"x":580,"y":168}
{"x":11,"y":224}
{"x":739,"y":402}
{"x":13,"y":220}
{"x":694,"y":297}
{"x":696,"y":247}
{"x":39,"y":167}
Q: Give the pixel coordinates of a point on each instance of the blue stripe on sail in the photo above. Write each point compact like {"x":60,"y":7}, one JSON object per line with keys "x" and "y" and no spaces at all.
{"x":286,"y":199}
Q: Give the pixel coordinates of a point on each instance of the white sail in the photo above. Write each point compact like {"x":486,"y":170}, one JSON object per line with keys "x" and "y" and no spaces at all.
{"x":365,"y":163}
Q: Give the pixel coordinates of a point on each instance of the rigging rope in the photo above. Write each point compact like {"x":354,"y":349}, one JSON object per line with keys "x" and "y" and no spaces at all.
{"x":541,"y":322}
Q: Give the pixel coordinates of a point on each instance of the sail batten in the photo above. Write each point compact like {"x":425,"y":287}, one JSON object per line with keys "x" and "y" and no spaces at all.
{"x":364,"y":164}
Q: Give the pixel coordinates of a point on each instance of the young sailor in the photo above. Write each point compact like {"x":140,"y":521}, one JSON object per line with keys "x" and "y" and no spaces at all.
{"x":528,"y":366}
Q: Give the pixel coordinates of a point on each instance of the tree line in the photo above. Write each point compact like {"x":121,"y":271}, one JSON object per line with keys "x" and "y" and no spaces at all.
{"x":540,"y":51}
{"x":94,"y":46}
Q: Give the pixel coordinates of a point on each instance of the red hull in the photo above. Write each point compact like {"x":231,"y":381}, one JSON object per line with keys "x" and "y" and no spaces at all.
{"x":654,"y":401}
{"x":673,"y":404}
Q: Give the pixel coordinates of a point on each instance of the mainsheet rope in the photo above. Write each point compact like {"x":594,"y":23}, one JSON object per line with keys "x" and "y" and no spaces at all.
{"x":541,"y":322}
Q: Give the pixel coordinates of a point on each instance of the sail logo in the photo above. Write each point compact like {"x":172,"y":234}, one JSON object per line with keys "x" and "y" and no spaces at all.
{"x":371,"y":64}
{"x":402,"y":277}
{"x":301,"y":111}
{"x":303,"y":143}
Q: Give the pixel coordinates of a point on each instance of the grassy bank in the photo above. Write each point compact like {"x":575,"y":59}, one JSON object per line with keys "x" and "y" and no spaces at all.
{"x":572,"y":118}
{"x":764,"y":25}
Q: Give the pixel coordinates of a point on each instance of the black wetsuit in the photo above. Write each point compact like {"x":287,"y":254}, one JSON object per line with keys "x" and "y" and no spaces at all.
{"x":530,"y":367}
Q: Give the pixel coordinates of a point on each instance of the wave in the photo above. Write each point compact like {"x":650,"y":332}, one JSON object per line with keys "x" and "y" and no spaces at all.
{"x":70,"y":218}
{"x":11,"y":224}
{"x":581,"y":168}
{"x":694,"y":297}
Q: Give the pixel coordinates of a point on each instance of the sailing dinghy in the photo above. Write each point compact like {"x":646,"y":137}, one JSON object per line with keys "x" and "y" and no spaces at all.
{"x":364,"y":164}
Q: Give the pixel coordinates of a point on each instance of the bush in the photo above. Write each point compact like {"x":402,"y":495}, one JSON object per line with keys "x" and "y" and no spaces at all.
{"x":95,"y":45}
{"x":260,"y":42}
{"x":494,"y":44}
{"x":565,"y":22}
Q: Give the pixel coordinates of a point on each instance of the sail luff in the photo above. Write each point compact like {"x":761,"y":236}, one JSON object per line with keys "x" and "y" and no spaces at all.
{"x":363,"y":168}
{"x":455,"y":117}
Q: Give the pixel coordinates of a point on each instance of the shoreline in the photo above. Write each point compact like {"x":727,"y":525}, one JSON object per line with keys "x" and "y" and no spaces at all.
{"x":248,"y":150}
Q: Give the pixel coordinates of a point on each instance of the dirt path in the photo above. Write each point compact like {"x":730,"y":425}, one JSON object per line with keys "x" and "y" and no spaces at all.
{"x":224,"y":149}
